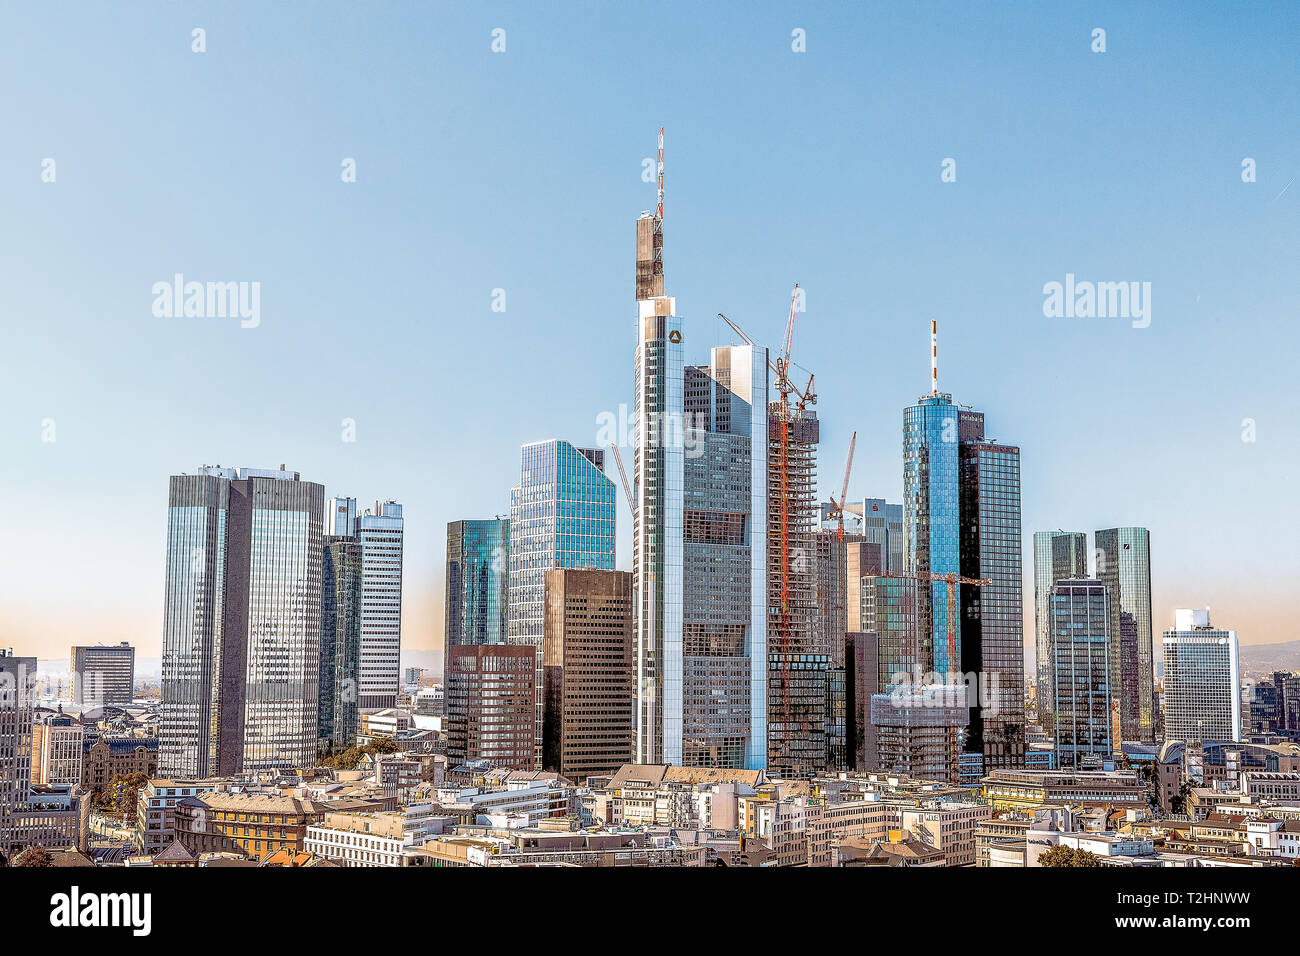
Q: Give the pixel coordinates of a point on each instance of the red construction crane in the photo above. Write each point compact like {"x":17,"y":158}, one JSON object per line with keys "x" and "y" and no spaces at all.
{"x":952,"y":580}
{"x":837,"y":508}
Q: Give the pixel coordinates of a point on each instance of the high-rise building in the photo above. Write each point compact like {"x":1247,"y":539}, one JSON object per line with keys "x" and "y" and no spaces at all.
{"x":796,"y":710}
{"x":241,"y":628}
{"x":931,"y":521}
{"x":714,"y":682}
{"x":490,"y":705}
{"x":861,"y":683}
{"x":57,"y":745}
{"x":1058,"y":555}
{"x":561,"y":516}
{"x":340,"y":646}
{"x":1123,"y":558}
{"x":1079,"y":637}
{"x":993,"y":614}
{"x":103,"y":674}
{"x":478,"y":582}
{"x":381,"y":532}
{"x":658,"y":464}
{"x":1202,"y":679}
{"x":919,"y":733}
{"x":587,"y":663}
{"x":17,"y":701}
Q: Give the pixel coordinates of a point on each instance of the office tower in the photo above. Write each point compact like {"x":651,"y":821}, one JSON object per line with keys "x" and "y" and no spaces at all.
{"x":861,"y":683}
{"x":340,"y":645}
{"x":1260,"y":707}
{"x":490,"y":705}
{"x":796,"y":710}
{"x":715,"y":683}
{"x":658,"y":463}
{"x":103,"y":674}
{"x":478,"y":582}
{"x":830,"y":581}
{"x":890,"y":609}
{"x":17,"y":697}
{"x":241,"y":631}
{"x":920,"y":733}
{"x":931,"y":521}
{"x":836,"y":727}
{"x":57,"y":745}
{"x":381,"y":532}
{"x":561,"y":516}
{"x":1202,"y":679}
{"x":587,"y":665}
{"x":1124,"y":566}
{"x":993,"y":614}
{"x":1079,"y":627}
{"x":1058,"y":555}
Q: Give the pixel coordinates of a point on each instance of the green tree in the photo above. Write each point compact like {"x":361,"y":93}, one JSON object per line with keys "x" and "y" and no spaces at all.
{"x":1061,"y":855}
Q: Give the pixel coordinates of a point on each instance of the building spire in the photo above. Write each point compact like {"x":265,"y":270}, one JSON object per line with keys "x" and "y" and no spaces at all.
{"x":934,"y":357}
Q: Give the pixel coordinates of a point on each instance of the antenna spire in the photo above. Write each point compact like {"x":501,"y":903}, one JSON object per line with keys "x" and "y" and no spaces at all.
{"x":934,"y":357}
{"x":659,"y":210}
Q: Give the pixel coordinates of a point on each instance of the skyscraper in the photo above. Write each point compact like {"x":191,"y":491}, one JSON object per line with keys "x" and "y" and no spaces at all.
{"x":931,"y":519}
{"x":241,"y":628}
{"x":381,"y":532}
{"x":658,"y":464}
{"x":17,"y":702}
{"x":587,"y":662}
{"x":340,"y":647}
{"x":1124,"y":566}
{"x":720,"y":667}
{"x":490,"y":705}
{"x":478,"y":582}
{"x":561,"y":516}
{"x":993,"y":614}
{"x":103,"y":674}
{"x":1058,"y":555}
{"x":1079,"y":636}
{"x":961,"y":510}
{"x":1202,"y":679}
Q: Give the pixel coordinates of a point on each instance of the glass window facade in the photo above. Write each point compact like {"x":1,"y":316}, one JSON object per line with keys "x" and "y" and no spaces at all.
{"x":561,"y":516}
{"x":1080,"y":635}
{"x":1124,"y":566}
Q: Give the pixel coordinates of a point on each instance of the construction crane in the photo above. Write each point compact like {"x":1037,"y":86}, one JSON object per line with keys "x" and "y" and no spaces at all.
{"x":791,"y":490}
{"x":952,"y":580}
{"x":837,"y":508}
{"x":627,"y":489}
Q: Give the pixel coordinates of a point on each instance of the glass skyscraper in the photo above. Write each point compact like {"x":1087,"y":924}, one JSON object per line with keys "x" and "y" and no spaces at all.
{"x":241,"y":626}
{"x":994,"y":648}
{"x":1202,"y":679}
{"x":561,"y":516}
{"x":722,"y":667}
{"x":478,"y":582}
{"x":340,"y":646}
{"x":931,"y":519}
{"x":1057,"y":555}
{"x":1079,"y":622}
{"x":1124,"y":566}
{"x":658,"y":464}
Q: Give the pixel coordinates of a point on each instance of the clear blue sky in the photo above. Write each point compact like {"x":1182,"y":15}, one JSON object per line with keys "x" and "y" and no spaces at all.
{"x":522,"y":171}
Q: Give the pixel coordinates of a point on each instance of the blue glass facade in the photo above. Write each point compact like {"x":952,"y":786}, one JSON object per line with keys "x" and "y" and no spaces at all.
{"x":478,"y":582}
{"x":932,"y":540}
{"x":561,"y":516}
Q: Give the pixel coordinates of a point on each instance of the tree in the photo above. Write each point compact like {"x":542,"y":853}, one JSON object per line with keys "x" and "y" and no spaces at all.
{"x":1062,"y":855}
{"x":34,"y":856}
{"x":120,"y":795}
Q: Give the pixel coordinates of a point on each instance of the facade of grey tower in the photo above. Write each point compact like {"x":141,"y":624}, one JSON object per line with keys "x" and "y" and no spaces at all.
{"x":242,"y":622}
{"x":658,"y":466}
{"x":1057,"y":555}
{"x":1079,"y":624}
{"x":722,"y":667}
{"x":1124,"y":566}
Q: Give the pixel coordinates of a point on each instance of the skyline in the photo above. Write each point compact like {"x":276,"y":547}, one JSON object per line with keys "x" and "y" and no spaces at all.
{"x":541,"y":200}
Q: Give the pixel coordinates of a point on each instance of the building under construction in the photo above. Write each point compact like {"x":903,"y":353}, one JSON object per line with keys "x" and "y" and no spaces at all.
{"x":797,"y":665}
